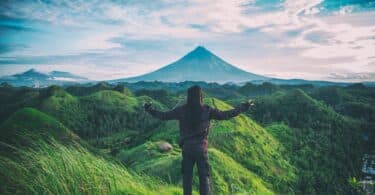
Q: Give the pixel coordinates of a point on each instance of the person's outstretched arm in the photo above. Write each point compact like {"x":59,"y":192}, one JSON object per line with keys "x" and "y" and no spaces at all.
{"x":168,"y":115}
{"x":225,"y":115}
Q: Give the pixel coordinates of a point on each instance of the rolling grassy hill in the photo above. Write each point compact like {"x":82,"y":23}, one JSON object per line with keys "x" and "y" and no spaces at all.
{"x":290,"y":143}
{"x":27,"y":124}
{"x":323,"y":145}
{"x":240,"y":139}
{"x":57,"y":163}
{"x":228,"y":176}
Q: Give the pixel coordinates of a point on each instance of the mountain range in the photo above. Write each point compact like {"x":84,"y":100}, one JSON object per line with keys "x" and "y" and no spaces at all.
{"x":33,"y":78}
{"x":198,"y":65}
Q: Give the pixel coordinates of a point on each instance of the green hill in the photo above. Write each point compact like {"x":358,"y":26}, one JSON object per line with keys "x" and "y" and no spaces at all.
{"x":356,"y":101}
{"x":291,"y":142}
{"x":240,"y":139}
{"x":99,"y":114}
{"x":27,"y":124}
{"x":253,"y":147}
{"x":57,"y":169}
{"x":12,"y":99}
{"x":323,"y":145}
{"x":40,"y":155}
{"x":79,"y":90}
{"x":228,"y":176}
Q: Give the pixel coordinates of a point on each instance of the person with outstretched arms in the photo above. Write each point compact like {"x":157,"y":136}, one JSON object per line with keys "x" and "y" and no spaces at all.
{"x":194,"y":123}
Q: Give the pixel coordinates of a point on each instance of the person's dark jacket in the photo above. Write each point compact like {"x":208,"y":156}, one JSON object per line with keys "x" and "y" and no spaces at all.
{"x":199,"y":136}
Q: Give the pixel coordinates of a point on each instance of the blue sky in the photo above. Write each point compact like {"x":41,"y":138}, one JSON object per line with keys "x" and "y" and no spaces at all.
{"x":309,"y":39}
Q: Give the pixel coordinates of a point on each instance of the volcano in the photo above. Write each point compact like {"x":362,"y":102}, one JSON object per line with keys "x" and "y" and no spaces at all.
{"x":198,"y":65}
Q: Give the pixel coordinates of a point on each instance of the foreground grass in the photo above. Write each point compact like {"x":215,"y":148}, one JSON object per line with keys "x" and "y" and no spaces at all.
{"x":59,"y":169}
{"x":227,"y":176}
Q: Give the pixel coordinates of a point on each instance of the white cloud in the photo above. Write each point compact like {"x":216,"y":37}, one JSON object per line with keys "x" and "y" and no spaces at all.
{"x":99,"y":23}
{"x":345,"y":10}
{"x":97,"y":41}
{"x":296,"y":8}
{"x":362,"y":76}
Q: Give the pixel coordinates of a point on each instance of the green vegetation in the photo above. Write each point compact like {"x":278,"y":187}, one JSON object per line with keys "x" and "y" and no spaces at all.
{"x":99,"y":140}
{"x":228,"y":176}
{"x":53,"y":168}
{"x":27,"y":124}
{"x":323,"y":145}
{"x":240,"y":138}
{"x":253,"y":147}
{"x":59,"y":163}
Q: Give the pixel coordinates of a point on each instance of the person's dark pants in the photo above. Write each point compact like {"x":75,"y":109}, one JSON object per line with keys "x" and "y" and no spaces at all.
{"x":192,"y":154}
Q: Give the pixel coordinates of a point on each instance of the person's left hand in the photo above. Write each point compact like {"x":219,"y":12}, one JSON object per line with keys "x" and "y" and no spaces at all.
{"x":249,"y":103}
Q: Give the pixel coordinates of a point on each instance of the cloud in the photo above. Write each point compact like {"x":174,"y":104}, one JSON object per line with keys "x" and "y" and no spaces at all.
{"x":292,"y":37}
{"x":6,"y":48}
{"x":13,"y":25}
{"x":345,"y":10}
{"x":353,"y":76}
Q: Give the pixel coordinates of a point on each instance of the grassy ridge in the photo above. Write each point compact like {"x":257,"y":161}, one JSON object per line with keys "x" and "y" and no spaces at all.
{"x":239,"y":139}
{"x":58,"y":164}
{"x":323,"y":145}
{"x":253,"y":147}
{"x":59,"y":169}
{"x":99,"y":114}
{"x":27,"y":124}
{"x":228,"y":176}
{"x":306,"y":147}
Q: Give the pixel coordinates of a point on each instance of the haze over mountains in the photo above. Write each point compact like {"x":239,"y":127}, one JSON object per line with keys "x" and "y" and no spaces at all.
{"x":202,"y":65}
{"x":198,"y":65}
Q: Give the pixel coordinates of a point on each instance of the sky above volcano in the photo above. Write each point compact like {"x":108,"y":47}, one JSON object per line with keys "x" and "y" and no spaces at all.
{"x":308,"y":39}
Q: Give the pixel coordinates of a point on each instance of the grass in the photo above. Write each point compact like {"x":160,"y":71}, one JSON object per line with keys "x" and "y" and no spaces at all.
{"x":261,"y":162}
{"x":228,"y":176}
{"x":98,"y":114}
{"x":57,"y":163}
{"x":110,"y":98}
{"x":58,"y":169}
{"x":253,"y":147}
{"x":244,"y":141}
{"x":32,"y":122}
{"x":323,"y":145}
{"x":306,"y":148}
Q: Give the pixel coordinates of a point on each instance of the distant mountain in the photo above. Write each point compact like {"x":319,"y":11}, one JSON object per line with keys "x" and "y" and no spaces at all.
{"x":198,"y":65}
{"x":33,"y":78}
{"x":204,"y":66}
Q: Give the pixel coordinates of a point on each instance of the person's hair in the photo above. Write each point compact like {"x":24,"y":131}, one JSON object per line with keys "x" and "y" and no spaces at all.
{"x":194,"y":107}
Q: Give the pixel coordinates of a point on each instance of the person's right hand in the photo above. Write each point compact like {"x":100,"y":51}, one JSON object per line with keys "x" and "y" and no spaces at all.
{"x":147,"y":105}
{"x":249,"y":103}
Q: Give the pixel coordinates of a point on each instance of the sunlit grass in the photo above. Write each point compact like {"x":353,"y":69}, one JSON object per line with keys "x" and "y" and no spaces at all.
{"x":59,"y":169}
